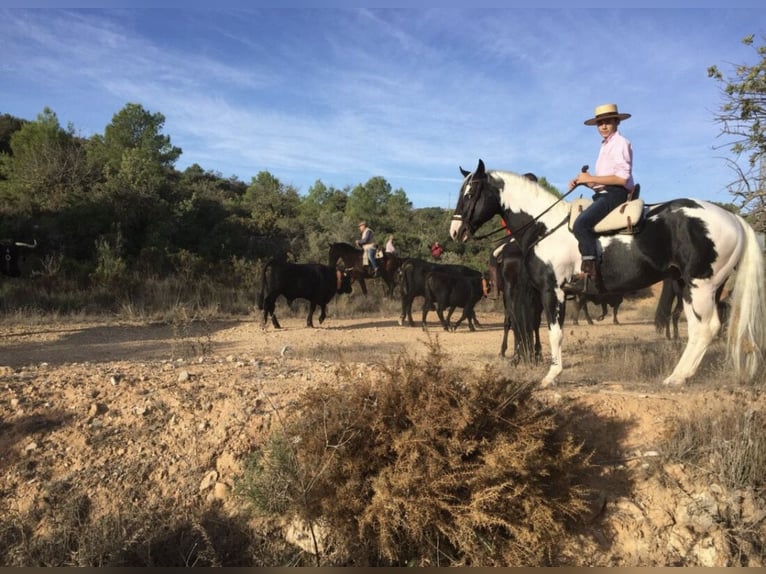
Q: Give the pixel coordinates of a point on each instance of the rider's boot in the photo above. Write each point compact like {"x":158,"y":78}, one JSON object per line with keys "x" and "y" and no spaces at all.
{"x":585,"y":281}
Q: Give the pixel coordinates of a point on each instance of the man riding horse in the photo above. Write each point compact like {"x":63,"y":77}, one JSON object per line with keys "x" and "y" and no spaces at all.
{"x":367,"y":243}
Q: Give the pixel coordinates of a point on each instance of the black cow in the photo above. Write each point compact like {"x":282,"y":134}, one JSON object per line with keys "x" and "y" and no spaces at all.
{"x":412,"y":274}
{"x":613,"y":300}
{"x":312,"y":281}
{"x":9,"y":256}
{"x":448,"y":290}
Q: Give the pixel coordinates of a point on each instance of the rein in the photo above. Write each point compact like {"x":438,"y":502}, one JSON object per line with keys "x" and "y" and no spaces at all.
{"x":475,"y":197}
{"x":536,"y":218}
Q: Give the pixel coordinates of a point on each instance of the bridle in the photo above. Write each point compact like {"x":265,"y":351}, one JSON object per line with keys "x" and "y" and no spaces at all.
{"x":473,"y":197}
{"x":472,"y":194}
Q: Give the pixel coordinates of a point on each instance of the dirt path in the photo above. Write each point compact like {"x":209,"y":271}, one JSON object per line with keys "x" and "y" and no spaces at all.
{"x":171,"y":411}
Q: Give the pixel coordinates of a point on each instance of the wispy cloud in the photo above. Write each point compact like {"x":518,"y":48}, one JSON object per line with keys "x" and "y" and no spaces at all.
{"x":345,"y":95}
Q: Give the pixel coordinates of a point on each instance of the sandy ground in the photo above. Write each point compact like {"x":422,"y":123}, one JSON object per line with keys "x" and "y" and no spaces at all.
{"x":134,"y":411}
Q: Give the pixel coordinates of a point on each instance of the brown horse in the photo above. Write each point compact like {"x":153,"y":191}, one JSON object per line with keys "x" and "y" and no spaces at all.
{"x":349,"y":257}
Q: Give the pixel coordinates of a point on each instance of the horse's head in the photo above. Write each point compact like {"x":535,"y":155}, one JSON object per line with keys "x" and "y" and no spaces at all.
{"x":477,"y":202}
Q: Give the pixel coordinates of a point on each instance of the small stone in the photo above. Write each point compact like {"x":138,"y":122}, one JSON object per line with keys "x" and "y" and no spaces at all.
{"x":208,"y":480}
{"x":220,"y":491}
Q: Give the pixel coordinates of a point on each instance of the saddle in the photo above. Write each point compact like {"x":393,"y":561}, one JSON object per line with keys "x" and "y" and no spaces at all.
{"x":625,"y":218}
{"x":378,"y":253}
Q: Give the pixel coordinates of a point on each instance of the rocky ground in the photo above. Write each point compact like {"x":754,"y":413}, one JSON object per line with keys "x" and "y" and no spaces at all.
{"x":141,"y":412}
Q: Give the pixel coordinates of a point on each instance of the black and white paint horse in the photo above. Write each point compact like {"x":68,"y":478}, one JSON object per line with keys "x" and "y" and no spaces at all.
{"x":695,"y":240}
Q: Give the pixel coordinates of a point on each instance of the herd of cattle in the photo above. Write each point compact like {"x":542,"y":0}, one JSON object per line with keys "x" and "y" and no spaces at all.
{"x":444,"y":288}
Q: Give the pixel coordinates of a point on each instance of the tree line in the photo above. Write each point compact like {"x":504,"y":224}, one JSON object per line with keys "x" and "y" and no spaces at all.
{"x":112,"y":210}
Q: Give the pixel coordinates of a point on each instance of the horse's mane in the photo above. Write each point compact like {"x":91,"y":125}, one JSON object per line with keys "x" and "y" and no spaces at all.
{"x":534,"y":194}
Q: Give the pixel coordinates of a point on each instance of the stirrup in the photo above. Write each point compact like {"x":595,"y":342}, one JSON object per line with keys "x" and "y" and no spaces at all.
{"x":578,"y":285}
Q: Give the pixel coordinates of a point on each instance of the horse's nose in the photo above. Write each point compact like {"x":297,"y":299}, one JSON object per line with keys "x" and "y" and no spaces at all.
{"x":456,"y":229}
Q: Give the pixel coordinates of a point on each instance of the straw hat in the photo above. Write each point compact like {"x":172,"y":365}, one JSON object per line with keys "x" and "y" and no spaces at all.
{"x":605,"y":112}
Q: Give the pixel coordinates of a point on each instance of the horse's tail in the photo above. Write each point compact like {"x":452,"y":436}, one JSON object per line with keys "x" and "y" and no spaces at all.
{"x":664,"y":306}
{"x":746,"y":340}
{"x":260,"y":296}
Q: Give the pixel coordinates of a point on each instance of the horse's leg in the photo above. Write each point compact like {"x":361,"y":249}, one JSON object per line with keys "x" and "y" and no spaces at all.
{"x":390,"y":283}
{"x":322,"y":313}
{"x":703,"y":325}
{"x":554,"y":305}
{"x":585,"y":310}
{"x":614,"y":313}
{"x":604,"y":311}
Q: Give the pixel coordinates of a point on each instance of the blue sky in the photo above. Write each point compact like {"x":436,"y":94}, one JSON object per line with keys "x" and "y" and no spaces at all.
{"x":343,"y":95}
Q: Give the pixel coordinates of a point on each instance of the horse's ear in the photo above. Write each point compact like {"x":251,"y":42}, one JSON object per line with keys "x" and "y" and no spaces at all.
{"x":464,"y":172}
{"x":480,"y":172}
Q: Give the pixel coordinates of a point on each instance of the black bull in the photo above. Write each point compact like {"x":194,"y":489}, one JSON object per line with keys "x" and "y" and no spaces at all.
{"x":449,"y":291}
{"x":413,"y":281}
{"x":314,"y":282}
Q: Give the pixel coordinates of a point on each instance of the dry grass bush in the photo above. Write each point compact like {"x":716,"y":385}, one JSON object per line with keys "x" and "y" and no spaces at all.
{"x":63,"y":532}
{"x":728,"y":447}
{"x":431,"y":466}
{"x":730,"y":444}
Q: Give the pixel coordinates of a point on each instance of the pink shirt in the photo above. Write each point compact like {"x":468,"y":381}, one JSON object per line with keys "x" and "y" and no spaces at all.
{"x":616,"y":158}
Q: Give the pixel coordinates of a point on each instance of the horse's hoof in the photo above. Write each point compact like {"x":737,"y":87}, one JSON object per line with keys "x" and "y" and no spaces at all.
{"x":401,"y":322}
{"x":673,"y":382}
{"x":545,"y":383}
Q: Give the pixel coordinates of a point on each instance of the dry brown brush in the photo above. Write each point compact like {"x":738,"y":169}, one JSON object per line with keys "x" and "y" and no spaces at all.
{"x":433,"y":464}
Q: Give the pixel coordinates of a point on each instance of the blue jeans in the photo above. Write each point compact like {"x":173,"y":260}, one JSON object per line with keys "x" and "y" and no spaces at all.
{"x":603,"y":203}
{"x":371,"y":258}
